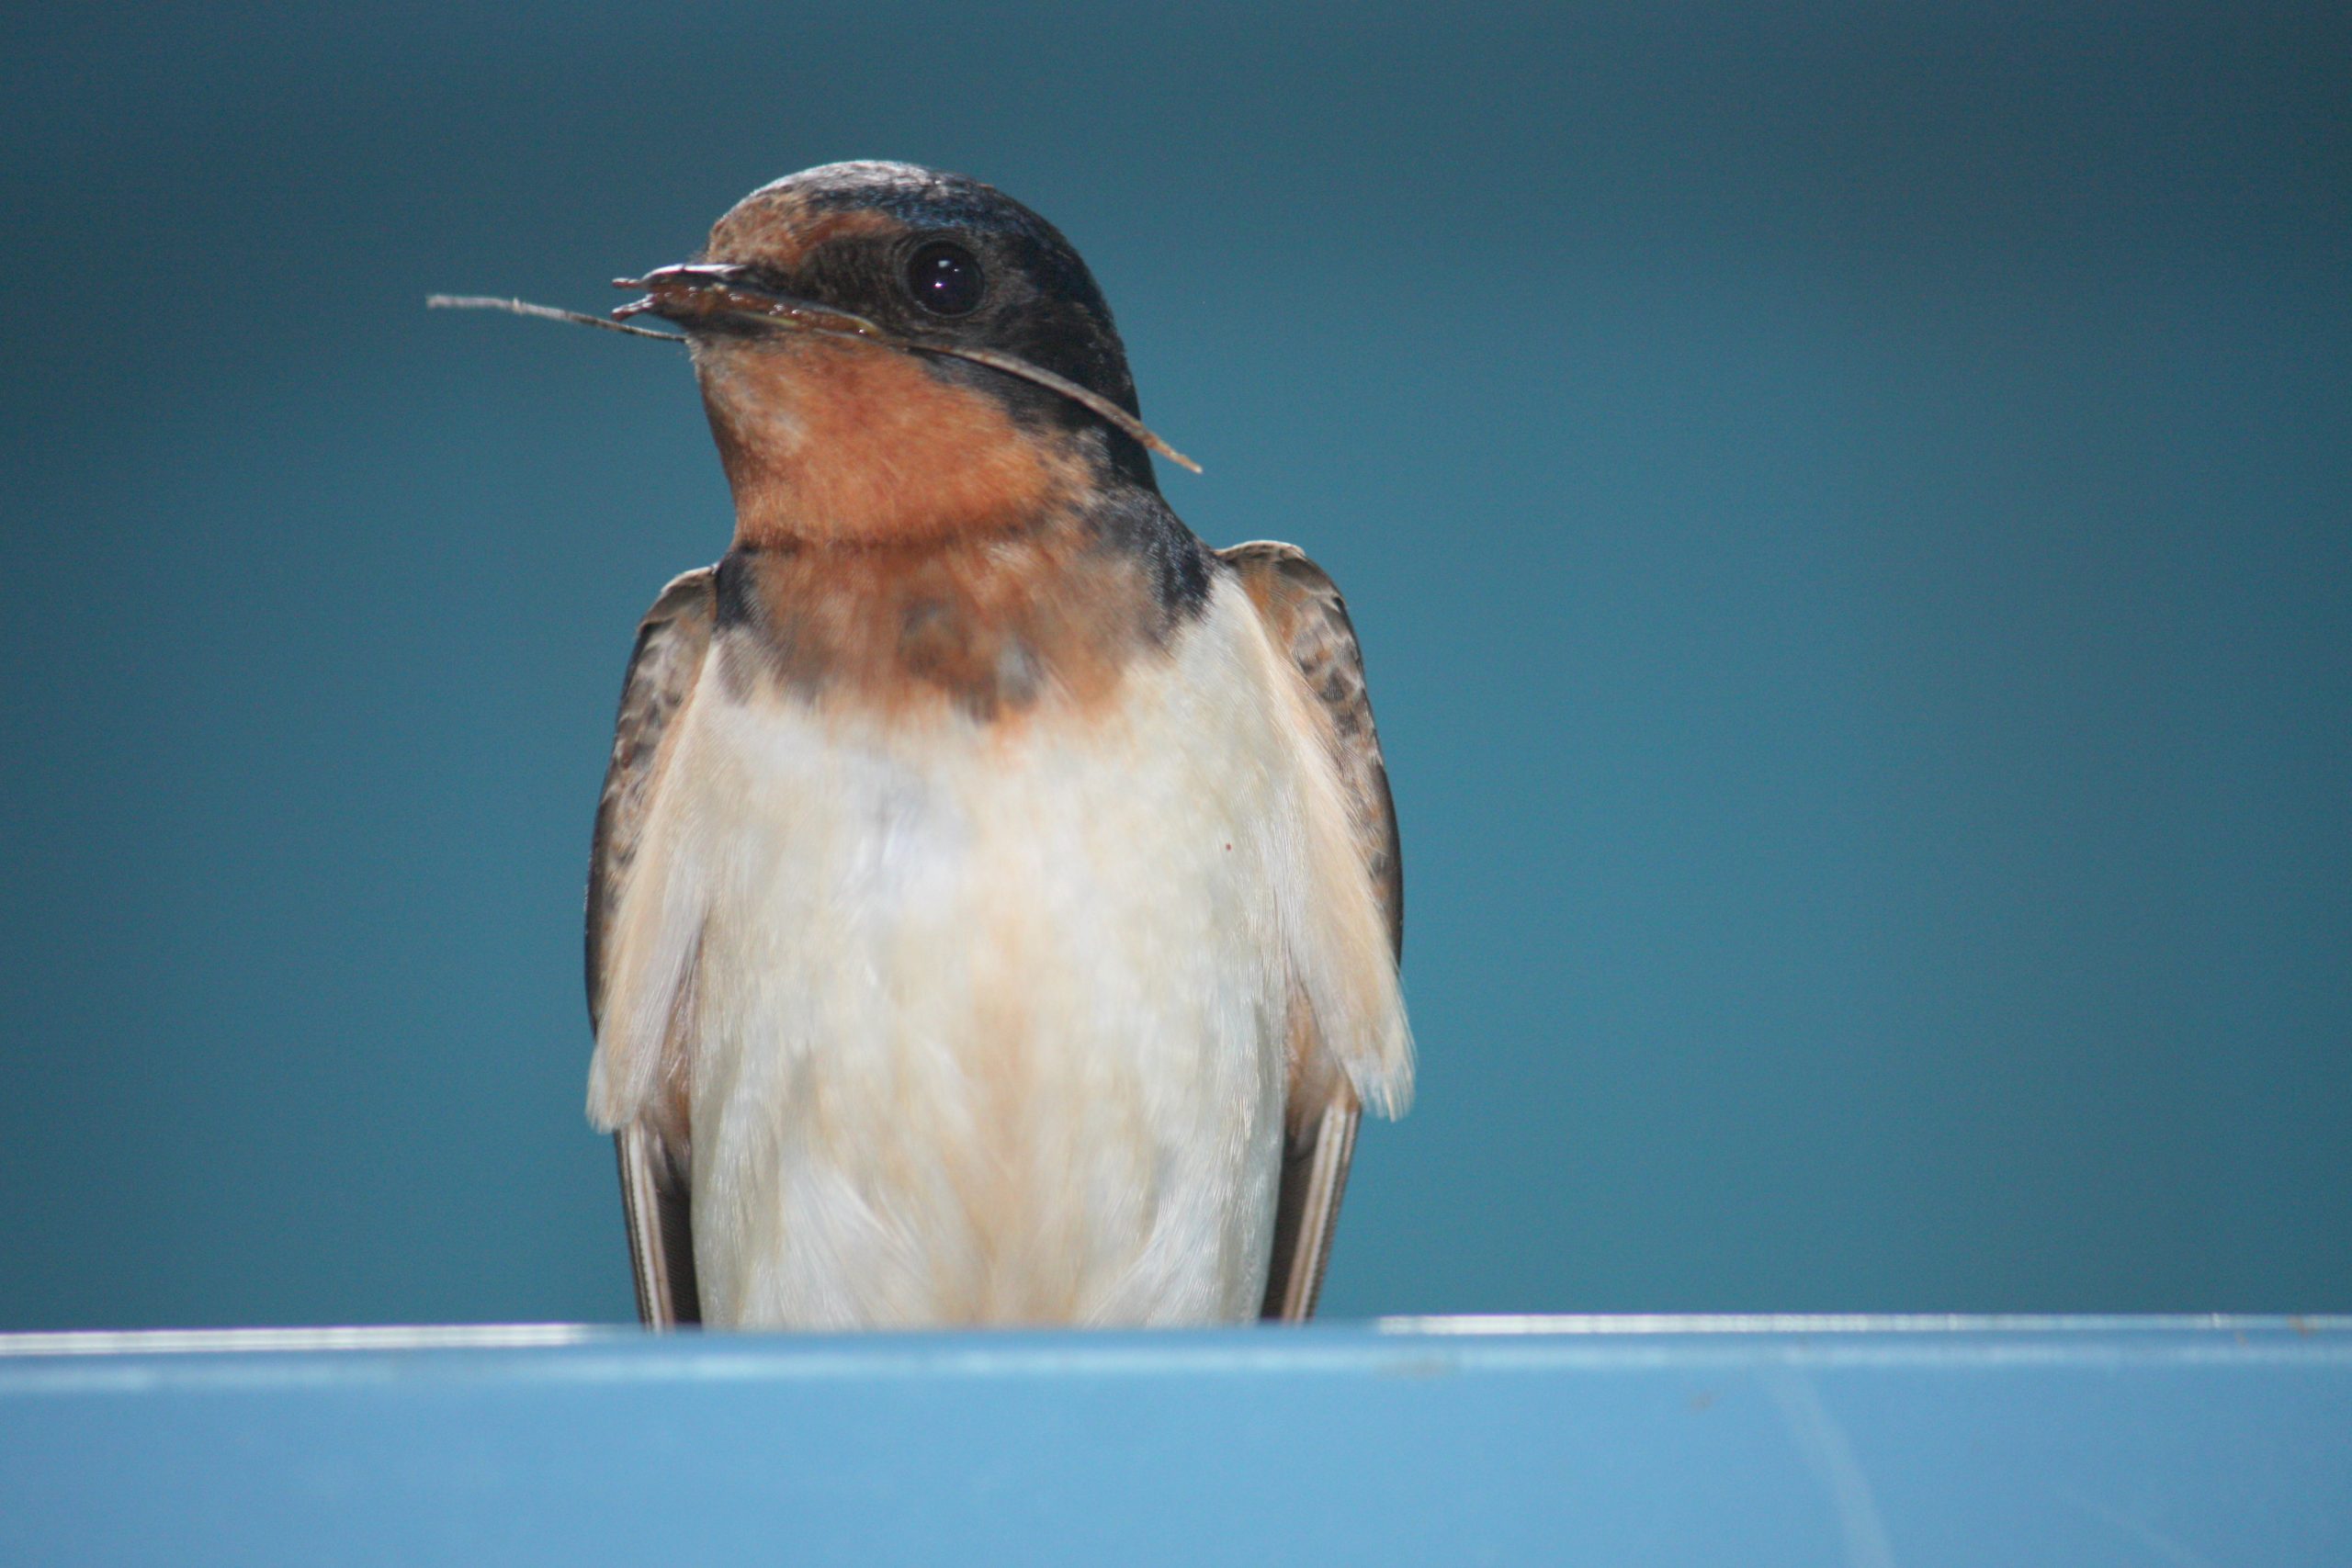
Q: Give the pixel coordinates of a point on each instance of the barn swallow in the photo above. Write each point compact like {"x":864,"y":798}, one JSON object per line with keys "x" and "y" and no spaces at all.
{"x":995,"y":904}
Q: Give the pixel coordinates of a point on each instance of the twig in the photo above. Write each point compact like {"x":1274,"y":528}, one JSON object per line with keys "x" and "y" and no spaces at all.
{"x":545,"y":313}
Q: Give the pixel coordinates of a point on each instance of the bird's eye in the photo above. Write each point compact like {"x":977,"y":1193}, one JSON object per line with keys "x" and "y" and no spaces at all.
{"x":945,"y":278}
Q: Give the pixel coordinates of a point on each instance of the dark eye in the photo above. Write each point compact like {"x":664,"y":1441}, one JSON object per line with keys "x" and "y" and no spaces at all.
{"x":945,"y":278}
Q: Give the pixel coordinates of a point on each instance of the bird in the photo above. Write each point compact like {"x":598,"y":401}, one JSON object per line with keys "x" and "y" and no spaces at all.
{"x":995,"y":904}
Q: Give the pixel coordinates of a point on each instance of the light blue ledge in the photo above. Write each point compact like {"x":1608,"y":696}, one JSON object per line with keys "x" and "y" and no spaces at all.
{"x":1865,"y":1441}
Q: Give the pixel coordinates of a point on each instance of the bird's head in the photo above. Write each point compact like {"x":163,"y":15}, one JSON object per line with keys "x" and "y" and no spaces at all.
{"x":891,"y":354}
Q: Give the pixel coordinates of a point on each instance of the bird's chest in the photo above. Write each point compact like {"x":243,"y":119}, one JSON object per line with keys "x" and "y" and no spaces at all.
{"x":987,"y":986}
{"x":931,"y":878}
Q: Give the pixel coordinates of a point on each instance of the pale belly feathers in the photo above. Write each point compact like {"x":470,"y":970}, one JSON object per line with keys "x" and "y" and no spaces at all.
{"x":989,"y":1021}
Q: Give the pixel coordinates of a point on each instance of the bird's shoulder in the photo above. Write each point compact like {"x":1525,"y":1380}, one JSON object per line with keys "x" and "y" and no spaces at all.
{"x":1306,"y":619}
{"x":665,"y":661}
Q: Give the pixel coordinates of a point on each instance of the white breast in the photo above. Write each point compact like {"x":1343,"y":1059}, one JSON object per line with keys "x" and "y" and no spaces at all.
{"x":989,"y":1020}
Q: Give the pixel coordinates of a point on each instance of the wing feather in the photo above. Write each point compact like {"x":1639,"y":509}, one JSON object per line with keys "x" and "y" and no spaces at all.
{"x":655,"y":1147}
{"x":1307,"y":621}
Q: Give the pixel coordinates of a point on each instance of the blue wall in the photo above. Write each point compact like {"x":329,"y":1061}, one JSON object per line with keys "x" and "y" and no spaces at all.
{"x":1849,"y":513}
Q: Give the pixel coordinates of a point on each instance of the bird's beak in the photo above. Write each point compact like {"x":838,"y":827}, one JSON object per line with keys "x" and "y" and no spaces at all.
{"x":710,"y":298}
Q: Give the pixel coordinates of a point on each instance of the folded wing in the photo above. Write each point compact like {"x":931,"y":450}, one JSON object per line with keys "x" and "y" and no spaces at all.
{"x":1308,"y":623}
{"x":655,"y":1146}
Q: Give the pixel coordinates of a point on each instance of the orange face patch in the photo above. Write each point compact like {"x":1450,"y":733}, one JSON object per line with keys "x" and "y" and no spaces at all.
{"x":901,"y":540}
{"x":827,"y":440}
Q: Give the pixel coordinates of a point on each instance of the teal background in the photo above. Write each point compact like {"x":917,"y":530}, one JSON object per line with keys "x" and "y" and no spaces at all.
{"x":1849,"y":512}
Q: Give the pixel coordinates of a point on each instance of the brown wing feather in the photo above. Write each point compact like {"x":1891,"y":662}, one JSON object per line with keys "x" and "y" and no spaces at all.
{"x":671,"y":644}
{"x":1309,"y":621}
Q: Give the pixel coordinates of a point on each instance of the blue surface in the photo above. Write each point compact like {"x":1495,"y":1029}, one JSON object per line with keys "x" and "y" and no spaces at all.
{"x":2082,"y":1441}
